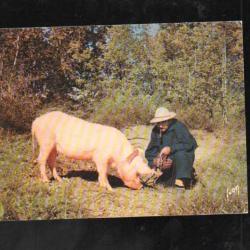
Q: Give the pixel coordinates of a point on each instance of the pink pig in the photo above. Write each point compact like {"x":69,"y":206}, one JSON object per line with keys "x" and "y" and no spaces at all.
{"x":82,"y":140}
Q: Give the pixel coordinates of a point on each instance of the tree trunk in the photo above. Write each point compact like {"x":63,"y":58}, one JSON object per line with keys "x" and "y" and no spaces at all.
{"x":224,"y":82}
{"x":17,"y":50}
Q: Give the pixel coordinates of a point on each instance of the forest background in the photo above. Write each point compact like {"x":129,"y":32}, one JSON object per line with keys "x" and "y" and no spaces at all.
{"x":97,"y":72}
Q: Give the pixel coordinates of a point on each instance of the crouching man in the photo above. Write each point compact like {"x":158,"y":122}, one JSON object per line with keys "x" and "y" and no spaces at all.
{"x":171,"y":148}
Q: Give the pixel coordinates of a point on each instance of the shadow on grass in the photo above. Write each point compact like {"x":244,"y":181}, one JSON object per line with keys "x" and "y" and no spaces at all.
{"x":168,"y":179}
{"x":93,"y":176}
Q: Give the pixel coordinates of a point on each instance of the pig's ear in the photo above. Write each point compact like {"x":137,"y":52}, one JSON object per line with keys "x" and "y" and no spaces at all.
{"x":131,"y":157}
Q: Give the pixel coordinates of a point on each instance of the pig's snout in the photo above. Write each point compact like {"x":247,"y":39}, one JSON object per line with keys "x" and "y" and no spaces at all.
{"x":136,"y":184}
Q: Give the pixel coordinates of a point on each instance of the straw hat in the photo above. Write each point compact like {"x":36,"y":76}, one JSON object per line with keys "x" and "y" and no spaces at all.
{"x":162,"y":114}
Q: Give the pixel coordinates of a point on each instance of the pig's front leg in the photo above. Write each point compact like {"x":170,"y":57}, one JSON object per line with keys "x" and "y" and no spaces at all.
{"x":102,"y":175}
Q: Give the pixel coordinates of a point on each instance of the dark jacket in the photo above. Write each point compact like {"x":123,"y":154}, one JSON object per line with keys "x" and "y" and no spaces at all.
{"x":177,"y":137}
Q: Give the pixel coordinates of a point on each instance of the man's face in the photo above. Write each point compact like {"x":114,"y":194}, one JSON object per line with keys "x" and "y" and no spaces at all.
{"x":163,"y":126}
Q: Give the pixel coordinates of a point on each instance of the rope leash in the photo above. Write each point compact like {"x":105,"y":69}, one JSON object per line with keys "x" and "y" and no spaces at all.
{"x":157,"y":168}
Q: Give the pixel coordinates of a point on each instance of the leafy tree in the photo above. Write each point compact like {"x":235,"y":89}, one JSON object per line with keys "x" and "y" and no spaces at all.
{"x":78,"y":51}
{"x":185,"y":66}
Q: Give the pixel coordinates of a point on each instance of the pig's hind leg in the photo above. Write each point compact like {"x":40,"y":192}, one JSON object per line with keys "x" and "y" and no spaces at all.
{"x":42,"y":160}
{"x":51,"y":163}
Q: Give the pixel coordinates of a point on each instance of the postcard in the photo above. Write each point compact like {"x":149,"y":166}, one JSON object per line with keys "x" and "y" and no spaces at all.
{"x":107,"y":121}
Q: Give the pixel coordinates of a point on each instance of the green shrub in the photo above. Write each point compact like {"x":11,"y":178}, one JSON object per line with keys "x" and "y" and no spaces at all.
{"x":197,"y":117}
{"x":194,"y":117}
{"x":18,"y":105}
{"x":123,"y":109}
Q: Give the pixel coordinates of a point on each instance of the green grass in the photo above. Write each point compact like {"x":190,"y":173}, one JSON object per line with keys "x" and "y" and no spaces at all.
{"x":220,"y":164}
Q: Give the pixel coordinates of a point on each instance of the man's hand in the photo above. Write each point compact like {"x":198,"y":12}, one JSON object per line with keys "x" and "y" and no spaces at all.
{"x":162,"y":161}
{"x":167,"y":163}
{"x":166,"y":151}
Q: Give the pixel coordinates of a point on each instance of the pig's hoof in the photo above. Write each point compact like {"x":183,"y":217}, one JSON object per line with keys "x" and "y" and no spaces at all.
{"x":59,"y":179}
{"x":45,"y":180}
{"x":110,"y":189}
